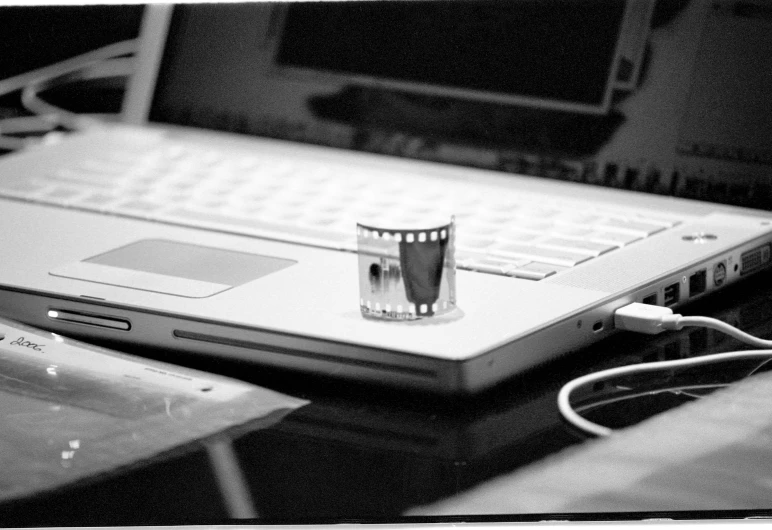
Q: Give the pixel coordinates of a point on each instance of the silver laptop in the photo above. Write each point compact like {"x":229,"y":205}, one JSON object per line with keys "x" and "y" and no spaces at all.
{"x":219,"y":218}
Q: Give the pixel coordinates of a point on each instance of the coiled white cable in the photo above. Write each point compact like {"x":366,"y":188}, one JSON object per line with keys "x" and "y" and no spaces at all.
{"x":653,"y":319}
{"x":678,"y":322}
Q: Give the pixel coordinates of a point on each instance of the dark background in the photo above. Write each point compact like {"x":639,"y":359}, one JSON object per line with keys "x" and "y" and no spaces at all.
{"x":32,"y":37}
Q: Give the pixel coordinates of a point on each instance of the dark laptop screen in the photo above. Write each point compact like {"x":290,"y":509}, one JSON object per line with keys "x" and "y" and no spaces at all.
{"x":559,"y":51}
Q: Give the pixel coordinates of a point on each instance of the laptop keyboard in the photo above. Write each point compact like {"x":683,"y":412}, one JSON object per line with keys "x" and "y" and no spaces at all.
{"x":507,"y":234}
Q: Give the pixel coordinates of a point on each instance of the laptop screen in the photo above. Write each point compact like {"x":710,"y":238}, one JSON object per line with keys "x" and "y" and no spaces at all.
{"x":530,"y":52}
{"x":662,"y":97}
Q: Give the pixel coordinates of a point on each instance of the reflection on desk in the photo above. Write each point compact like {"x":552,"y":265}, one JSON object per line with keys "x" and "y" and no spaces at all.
{"x":713,"y":454}
{"x":359,"y":452}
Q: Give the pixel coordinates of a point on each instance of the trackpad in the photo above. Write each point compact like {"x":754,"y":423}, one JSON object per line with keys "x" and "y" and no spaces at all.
{"x":172,"y":267}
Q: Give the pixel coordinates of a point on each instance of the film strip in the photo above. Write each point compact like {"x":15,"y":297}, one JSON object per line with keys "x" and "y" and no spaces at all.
{"x":406,"y":274}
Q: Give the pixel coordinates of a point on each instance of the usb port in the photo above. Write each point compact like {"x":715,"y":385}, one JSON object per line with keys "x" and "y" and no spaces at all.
{"x":672,"y":293}
{"x":698,"y":282}
{"x":650,"y":299}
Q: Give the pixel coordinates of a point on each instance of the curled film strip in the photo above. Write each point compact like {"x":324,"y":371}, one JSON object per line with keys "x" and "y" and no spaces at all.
{"x":406,"y":274}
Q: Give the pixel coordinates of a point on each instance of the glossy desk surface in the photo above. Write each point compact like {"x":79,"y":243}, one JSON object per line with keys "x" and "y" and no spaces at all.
{"x":361,"y":453}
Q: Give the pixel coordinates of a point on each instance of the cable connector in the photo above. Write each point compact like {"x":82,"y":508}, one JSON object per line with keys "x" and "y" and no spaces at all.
{"x":646,"y":318}
{"x":652,"y":319}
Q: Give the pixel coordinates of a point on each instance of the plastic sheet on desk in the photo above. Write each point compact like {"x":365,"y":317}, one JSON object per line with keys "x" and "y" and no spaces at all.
{"x":70,"y":411}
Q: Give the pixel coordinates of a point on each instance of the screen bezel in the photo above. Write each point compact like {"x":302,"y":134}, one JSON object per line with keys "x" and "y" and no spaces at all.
{"x":155,"y":26}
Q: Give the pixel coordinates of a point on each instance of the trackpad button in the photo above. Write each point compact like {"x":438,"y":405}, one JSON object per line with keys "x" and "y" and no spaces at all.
{"x":172,"y":267}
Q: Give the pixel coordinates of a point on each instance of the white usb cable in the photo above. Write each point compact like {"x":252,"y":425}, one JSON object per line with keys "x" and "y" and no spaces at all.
{"x":650,"y":319}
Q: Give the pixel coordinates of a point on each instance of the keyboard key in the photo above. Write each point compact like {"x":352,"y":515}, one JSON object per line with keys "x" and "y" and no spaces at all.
{"x":638,"y":228}
{"x":135,"y":191}
{"x":473,"y":243}
{"x":542,"y":214}
{"x":667,"y":222}
{"x":319,"y":220}
{"x":593,"y":248}
{"x":63,"y":194}
{"x":533,"y":225}
{"x":138,"y":206}
{"x":260,"y":227}
{"x":473,"y":230}
{"x":535,"y":271}
{"x":578,"y":219}
{"x":494,"y":220}
{"x":73,"y":176}
{"x":209,"y":203}
{"x":493,"y":265}
{"x":98,"y":201}
{"x":517,"y":236}
{"x":101,"y":167}
{"x":545,"y":255}
{"x":615,"y":238}
{"x":170,"y":196}
{"x":509,"y":206}
{"x":21,"y":187}
{"x":580,"y":232}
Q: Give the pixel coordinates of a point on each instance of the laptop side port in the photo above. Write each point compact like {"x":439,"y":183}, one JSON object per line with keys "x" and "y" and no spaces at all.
{"x":698,"y":282}
{"x":650,"y":299}
{"x":754,"y":259}
{"x":672,"y":294}
{"x":719,"y":273}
